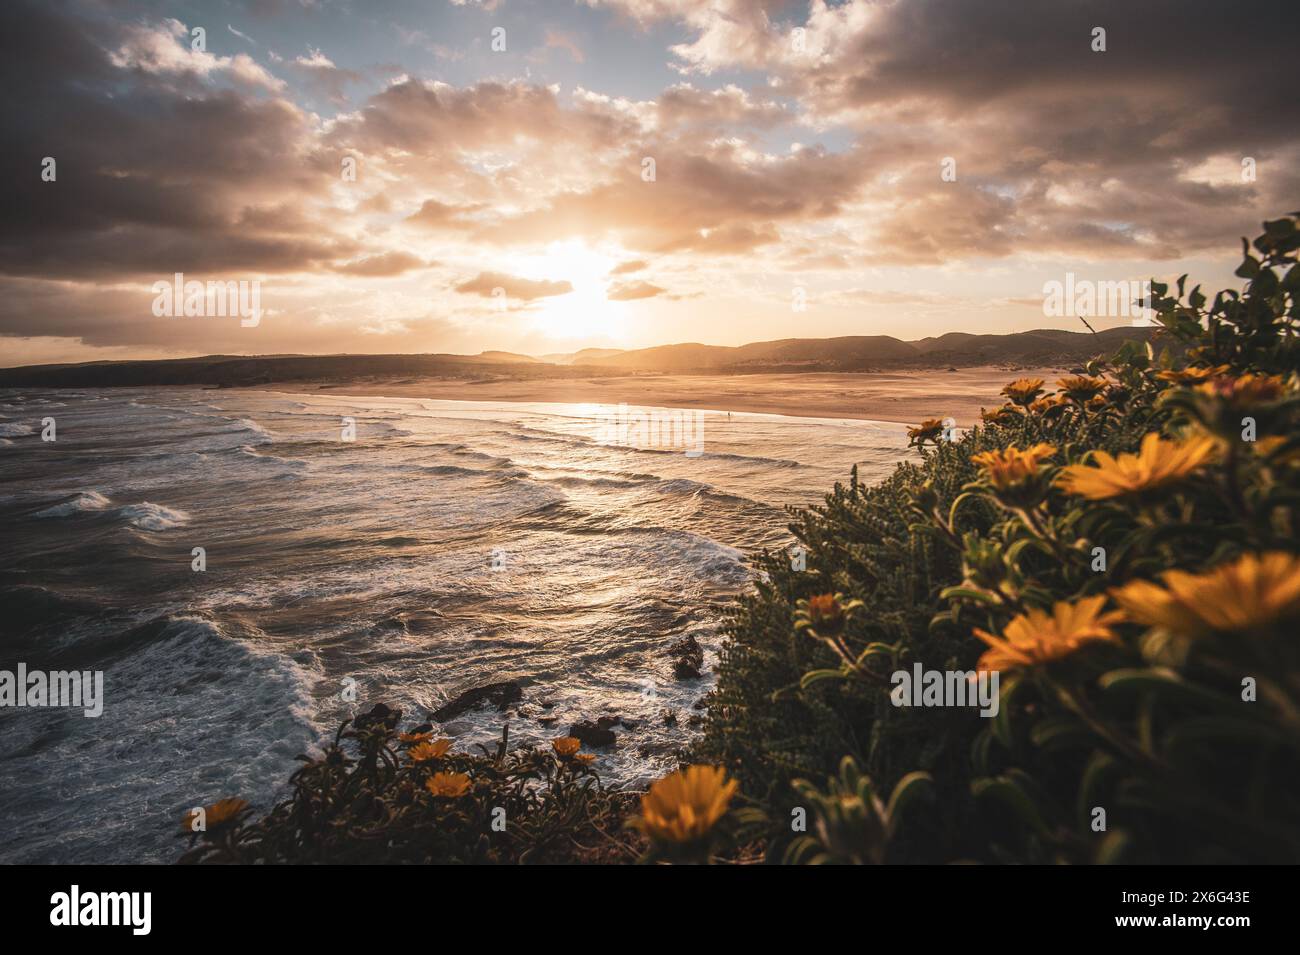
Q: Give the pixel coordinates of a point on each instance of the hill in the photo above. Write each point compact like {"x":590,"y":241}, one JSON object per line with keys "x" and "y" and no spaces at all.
{"x":854,"y":353}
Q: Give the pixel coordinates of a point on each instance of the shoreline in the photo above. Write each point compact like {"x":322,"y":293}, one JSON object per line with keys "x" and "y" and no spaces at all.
{"x":899,"y":397}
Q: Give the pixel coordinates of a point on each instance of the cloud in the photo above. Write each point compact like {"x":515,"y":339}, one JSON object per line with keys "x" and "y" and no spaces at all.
{"x":169,"y":49}
{"x":770,"y":156}
{"x":559,"y":40}
{"x":434,"y":214}
{"x":323,"y":76}
{"x":382,"y":265}
{"x":485,"y":284}
{"x":632,"y":265}
{"x":631,"y":291}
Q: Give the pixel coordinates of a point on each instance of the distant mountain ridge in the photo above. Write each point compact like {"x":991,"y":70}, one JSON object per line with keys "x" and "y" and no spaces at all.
{"x":850,"y":353}
{"x":857,"y":352}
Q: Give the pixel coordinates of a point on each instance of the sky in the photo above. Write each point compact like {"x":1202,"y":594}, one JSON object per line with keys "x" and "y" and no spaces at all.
{"x":540,"y":176}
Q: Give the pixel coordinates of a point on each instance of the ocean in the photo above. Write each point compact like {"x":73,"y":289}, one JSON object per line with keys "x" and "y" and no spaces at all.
{"x":360,"y":550}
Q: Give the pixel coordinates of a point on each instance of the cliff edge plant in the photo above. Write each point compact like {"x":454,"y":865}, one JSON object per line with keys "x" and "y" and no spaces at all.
{"x":1121,"y":549}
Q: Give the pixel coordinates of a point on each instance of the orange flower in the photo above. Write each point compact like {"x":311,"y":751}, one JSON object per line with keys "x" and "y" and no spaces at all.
{"x":684,"y":806}
{"x":415,"y":737}
{"x":1082,"y":387}
{"x":1191,"y":376}
{"x":824,"y":612}
{"x":448,"y":785}
{"x":928,"y":430}
{"x":566,"y":746}
{"x":1001,"y":415}
{"x":1271,"y":446}
{"x":421,"y":752}
{"x":1010,"y":467}
{"x":585,"y":757}
{"x":1158,"y":464}
{"x":220,"y":813}
{"x":1049,"y":404}
{"x":1246,"y":391}
{"x":1024,"y":390}
{"x":1037,"y":637}
{"x":1252,"y":593}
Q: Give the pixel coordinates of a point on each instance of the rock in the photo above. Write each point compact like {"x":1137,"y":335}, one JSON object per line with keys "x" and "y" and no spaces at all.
{"x":593,"y":734}
{"x":499,"y":695}
{"x":548,"y":720}
{"x":380,"y":715}
{"x":688,"y":658}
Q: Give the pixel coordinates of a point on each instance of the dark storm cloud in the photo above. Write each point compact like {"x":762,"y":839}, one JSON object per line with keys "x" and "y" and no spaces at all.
{"x":156,"y":170}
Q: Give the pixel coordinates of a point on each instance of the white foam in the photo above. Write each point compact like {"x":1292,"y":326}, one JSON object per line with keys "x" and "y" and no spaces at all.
{"x":153,"y":517}
{"x":85,"y":501}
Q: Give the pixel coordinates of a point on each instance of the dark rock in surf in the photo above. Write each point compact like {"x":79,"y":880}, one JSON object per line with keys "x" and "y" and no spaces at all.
{"x":593,"y":734}
{"x":379,"y":715}
{"x":499,"y":695}
{"x":688,"y":658}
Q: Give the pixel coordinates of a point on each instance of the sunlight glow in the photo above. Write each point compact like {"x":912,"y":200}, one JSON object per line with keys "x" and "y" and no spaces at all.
{"x":585,"y":312}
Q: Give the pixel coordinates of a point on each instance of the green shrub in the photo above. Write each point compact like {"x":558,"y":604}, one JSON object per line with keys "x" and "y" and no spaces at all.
{"x":1145,"y":715}
{"x":379,"y":796}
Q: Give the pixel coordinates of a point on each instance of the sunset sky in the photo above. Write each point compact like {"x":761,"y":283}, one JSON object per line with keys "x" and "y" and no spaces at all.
{"x":783,"y":160}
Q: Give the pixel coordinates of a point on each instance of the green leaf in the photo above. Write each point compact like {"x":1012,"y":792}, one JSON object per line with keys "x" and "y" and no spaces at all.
{"x":1006,"y":792}
{"x":816,"y":676}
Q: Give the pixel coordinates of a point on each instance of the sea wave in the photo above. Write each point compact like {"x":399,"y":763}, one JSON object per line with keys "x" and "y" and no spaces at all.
{"x":153,"y":517}
{"x":236,"y":716}
{"x":78,"y":504}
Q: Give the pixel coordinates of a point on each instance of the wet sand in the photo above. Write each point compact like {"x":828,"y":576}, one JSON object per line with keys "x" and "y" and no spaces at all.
{"x":903,"y":396}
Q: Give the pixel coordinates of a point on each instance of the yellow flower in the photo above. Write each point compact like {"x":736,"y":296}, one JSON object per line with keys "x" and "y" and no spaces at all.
{"x":1251,"y":593}
{"x":927,"y":430}
{"x":448,"y":785}
{"x":1270,"y":446}
{"x":684,"y":806}
{"x":1038,"y":637}
{"x":1157,"y":464}
{"x":1246,"y":391}
{"x":1009,"y":467}
{"x":421,"y":752}
{"x":1082,"y":387}
{"x":1191,"y":376}
{"x":1048,"y":404}
{"x":1024,"y":390}
{"x":825,"y":613}
{"x":220,"y":813}
{"x":566,"y":746}
{"x":999,"y":415}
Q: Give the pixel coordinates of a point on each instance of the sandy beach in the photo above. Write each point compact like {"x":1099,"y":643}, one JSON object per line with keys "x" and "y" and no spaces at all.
{"x":903,"y":396}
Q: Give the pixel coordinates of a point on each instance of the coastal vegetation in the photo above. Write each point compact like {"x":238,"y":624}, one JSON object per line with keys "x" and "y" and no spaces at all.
{"x":1120,"y":547}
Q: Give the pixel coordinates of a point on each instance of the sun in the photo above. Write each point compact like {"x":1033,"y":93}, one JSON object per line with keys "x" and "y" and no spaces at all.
{"x":584,"y":313}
